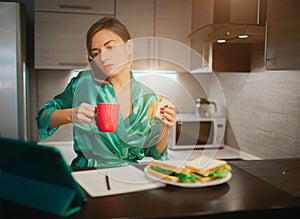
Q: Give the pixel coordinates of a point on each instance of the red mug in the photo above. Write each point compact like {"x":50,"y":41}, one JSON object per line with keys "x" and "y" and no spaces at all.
{"x":107,"y":116}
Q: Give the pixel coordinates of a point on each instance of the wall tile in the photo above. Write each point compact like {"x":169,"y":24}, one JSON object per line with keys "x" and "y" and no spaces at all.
{"x":263,"y":112}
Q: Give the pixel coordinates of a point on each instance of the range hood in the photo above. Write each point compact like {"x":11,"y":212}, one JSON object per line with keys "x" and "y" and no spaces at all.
{"x":228,"y":19}
{"x":224,"y":33}
{"x":231,"y":32}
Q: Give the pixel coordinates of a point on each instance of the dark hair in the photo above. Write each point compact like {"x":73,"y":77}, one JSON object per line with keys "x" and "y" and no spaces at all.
{"x":108,"y":23}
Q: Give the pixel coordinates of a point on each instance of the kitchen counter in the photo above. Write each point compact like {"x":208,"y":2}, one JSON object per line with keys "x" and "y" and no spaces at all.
{"x":284,"y":174}
{"x":226,"y":152}
{"x":254,"y":191}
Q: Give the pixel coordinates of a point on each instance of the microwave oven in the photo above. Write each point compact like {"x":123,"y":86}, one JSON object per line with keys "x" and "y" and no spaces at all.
{"x":191,"y":132}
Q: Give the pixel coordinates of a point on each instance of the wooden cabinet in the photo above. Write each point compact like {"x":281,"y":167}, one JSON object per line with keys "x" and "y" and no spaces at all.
{"x":60,"y":40}
{"x":169,"y":20}
{"x":60,"y":32}
{"x":229,"y":11}
{"x":245,"y":11}
{"x":283,"y":34}
{"x":137,"y":16}
{"x":173,"y":21}
{"x":156,"y":18}
{"x":61,"y":26}
{"x":78,"y":6}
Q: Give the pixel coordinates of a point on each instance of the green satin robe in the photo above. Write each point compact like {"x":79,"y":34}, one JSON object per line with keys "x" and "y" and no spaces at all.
{"x":134,"y":138}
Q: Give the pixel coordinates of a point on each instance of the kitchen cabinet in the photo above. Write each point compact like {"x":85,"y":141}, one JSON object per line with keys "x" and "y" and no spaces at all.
{"x":137,"y":16}
{"x":130,"y":12}
{"x":60,"y":40}
{"x":283,"y":34}
{"x":169,"y":20}
{"x":60,"y":31}
{"x":173,"y":21}
{"x":78,"y":6}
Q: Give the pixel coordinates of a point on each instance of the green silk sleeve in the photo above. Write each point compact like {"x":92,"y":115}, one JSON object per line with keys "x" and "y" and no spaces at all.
{"x":61,"y":101}
{"x":43,"y":118}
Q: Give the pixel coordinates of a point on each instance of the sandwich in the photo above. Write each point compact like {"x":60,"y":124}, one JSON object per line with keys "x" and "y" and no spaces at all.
{"x":154,"y":109}
{"x":207,"y":169}
{"x":202,"y":169}
{"x":170,"y":172}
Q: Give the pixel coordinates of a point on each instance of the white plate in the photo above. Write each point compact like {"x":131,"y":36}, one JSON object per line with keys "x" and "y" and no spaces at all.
{"x":187,"y":185}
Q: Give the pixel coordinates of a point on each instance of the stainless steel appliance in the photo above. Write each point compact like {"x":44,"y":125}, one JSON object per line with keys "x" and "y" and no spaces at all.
{"x":13,"y":76}
{"x":194,"y":132}
{"x":204,"y":107}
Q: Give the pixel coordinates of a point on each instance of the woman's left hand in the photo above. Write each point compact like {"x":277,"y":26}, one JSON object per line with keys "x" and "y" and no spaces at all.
{"x":168,"y":116}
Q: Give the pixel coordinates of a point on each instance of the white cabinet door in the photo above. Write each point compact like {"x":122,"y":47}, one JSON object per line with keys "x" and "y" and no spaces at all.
{"x":60,"y":40}
{"x":170,"y":19}
{"x":105,"y":7}
{"x":137,"y":16}
{"x":173,"y":21}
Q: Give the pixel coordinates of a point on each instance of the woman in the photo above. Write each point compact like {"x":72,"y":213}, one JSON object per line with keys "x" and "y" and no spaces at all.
{"x":138,"y":134}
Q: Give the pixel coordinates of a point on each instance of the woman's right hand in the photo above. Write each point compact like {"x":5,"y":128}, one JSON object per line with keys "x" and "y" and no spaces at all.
{"x":84,"y":113}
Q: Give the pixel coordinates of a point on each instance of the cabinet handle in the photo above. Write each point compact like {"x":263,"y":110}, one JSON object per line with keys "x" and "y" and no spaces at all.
{"x":72,"y":63}
{"x":76,"y":6}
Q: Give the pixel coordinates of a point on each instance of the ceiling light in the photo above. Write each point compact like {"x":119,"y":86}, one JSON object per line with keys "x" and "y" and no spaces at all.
{"x":243,"y":36}
{"x":221,"y":41}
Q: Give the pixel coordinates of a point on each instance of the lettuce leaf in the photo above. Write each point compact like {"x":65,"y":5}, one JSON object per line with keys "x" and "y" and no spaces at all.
{"x":183,"y":177}
{"x":220,"y":173}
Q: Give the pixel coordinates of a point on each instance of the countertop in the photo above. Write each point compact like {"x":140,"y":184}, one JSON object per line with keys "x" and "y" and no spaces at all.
{"x":284,"y":174}
{"x":226,"y":152}
{"x":257,"y":189}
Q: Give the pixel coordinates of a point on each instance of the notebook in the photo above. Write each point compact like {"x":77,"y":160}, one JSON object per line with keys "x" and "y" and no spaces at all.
{"x":115,"y":180}
{"x":38,"y":176}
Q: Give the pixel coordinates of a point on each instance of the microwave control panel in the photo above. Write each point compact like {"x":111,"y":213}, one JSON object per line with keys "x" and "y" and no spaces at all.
{"x":220,"y":130}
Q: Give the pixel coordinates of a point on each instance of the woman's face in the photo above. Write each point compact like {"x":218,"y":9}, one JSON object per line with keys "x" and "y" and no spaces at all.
{"x":110,"y":52}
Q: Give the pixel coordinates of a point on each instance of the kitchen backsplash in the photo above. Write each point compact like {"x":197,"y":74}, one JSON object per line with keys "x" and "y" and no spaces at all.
{"x":263,"y":116}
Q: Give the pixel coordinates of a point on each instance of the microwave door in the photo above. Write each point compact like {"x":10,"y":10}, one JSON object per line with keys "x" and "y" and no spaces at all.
{"x":194,"y":134}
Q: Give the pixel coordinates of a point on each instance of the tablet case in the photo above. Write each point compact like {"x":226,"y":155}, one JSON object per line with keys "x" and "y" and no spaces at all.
{"x":38,"y":176}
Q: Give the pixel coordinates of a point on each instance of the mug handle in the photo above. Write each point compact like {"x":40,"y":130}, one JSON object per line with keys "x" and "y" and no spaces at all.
{"x":95,"y":114}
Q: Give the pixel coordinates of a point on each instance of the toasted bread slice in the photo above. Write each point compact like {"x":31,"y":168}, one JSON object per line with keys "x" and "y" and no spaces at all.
{"x":162,"y":101}
{"x":205,"y":165}
{"x":205,"y":179}
{"x":168,"y":166}
{"x":163,"y":176}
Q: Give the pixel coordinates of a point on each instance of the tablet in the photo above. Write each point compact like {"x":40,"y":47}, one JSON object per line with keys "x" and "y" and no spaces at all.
{"x":38,"y":176}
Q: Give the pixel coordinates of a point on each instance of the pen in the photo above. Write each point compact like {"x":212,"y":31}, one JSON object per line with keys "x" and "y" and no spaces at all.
{"x":107,"y":182}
